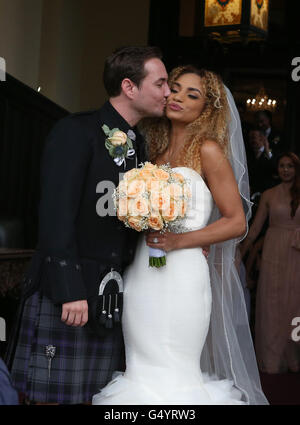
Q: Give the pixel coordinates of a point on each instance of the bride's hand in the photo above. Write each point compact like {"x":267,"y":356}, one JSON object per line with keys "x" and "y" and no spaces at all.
{"x":166,"y":241}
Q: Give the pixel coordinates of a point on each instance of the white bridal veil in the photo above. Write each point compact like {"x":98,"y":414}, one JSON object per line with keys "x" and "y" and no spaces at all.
{"x":228,"y":351}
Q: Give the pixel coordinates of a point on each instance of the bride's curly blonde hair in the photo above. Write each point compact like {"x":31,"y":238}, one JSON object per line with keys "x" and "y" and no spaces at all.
{"x":212,"y":124}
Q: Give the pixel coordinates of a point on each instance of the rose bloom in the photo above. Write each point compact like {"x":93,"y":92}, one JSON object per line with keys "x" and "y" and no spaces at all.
{"x":161,"y":174}
{"x":152,"y":185}
{"x":131,"y":174}
{"x":145,"y":174}
{"x":150,"y":166}
{"x":182,"y":206}
{"x":175,"y":190}
{"x":122,"y":208}
{"x":155,"y":222}
{"x":170,"y":213}
{"x":135,"y":188}
{"x":178,"y":177}
{"x":123,"y":185}
{"x":118,"y":138}
{"x":157,"y":201}
{"x":135,"y":223}
{"x":139,"y":206}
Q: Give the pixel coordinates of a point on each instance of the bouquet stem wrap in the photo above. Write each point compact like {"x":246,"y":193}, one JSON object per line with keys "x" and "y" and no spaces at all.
{"x":157,"y":257}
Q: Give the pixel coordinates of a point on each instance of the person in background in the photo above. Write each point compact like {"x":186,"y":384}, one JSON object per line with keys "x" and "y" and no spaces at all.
{"x":278,"y":289}
{"x":263,"y":120}
{"x":8,"y":395}
{"x":260,"y":165}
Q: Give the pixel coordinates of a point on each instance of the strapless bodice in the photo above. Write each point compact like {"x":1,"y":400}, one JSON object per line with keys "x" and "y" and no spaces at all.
{"x":200,"y":203}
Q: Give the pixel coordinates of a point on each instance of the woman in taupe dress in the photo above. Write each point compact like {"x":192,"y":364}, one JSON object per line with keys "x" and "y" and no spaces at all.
{"x":278,"y":289}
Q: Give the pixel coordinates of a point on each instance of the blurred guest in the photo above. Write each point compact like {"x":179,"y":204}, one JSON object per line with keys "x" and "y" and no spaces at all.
{"x":278,"y":289}
{"x":263,"y":120}
{"x":241,"y":269}
{"x":8,"y":394}
{"x":259,"y":159}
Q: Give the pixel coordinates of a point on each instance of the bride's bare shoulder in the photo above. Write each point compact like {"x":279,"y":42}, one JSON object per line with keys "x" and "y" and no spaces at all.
{"x":210,"y":147}
{"x":212,"y":156}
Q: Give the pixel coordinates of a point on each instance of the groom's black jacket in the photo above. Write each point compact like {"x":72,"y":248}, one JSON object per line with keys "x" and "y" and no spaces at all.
{"x":76,"y":244}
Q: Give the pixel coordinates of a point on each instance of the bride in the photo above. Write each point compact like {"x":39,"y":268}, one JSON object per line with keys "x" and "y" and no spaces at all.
{"x":185,"y":325}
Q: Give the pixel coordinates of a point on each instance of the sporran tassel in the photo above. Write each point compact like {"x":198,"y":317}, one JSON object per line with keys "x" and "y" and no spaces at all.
{"x":109,"y":321}
{"x":116,"y":311}
{"x":102,"y":319}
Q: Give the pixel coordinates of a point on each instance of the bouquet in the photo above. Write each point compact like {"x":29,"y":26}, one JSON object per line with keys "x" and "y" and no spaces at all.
{"x":152,"y":197}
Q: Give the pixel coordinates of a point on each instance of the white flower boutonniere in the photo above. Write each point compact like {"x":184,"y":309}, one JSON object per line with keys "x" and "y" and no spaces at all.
{"x":119,"y":144}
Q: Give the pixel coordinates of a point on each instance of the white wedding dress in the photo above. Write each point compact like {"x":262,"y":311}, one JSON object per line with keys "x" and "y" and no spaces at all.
{"x":165,"y":323}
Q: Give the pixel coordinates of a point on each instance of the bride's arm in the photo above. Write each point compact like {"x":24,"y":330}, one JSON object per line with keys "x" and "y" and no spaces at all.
{"x":222,"y":184}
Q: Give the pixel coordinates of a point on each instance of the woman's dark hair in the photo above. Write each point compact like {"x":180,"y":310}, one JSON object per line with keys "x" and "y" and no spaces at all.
{"x":127,"y":62}
{"x":295,"y":189}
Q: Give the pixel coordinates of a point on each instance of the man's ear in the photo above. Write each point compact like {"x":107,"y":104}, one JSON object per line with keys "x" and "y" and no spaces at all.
{"x":128,"y":88}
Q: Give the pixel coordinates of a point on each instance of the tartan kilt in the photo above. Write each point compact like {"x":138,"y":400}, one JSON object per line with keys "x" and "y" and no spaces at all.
{"x":82,"y":363}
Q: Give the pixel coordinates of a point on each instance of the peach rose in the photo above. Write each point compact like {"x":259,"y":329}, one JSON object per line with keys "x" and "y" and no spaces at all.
{"x":123,"y":185}
{"x":178,"y":177}
{"x":135,"y":188}
{"x":118,"y":138}
{"x":131,"y":174}
{"x":139,"y":206}
{"x":175,"y":190}
{"x":150,"y":166}
{"x":170,"y":213}
{"x":152,"y":185}
{"x":182,"y":206}
{"x":156,"y":200}
{"x":145,"y":174}
{"x":161,"y":174}
{"x":135,"y":223}
{"x":155,"y":222}
{"x":122,"y":208}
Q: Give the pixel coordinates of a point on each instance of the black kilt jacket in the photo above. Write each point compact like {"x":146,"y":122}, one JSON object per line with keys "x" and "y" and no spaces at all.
{"x":76,"y":245}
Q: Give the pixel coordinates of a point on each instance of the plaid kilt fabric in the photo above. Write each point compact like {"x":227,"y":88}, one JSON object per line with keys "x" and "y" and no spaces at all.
{"x":82,"y":363}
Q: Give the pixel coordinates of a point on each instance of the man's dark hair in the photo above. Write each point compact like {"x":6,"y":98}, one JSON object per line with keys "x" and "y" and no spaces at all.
{"x":265,"y":112}
{"x":256,"y":128}
{"x":127,"y":62}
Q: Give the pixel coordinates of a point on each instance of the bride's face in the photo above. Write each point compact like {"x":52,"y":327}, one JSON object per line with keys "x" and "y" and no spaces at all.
{"x":187,"y":99}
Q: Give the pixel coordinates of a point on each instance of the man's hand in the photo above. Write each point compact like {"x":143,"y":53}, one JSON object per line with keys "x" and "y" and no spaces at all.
{"x":266,"y":145}
{"x":75,"y":313}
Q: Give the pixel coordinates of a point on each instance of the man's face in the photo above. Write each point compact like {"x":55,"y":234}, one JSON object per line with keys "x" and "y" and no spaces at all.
{"x":255,"y":140}
{"x":150,"y":98}
{"x":263,"y":122}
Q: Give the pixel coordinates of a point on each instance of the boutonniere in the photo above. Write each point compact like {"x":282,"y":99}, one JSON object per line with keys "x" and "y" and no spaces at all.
{"x":119,"y":144}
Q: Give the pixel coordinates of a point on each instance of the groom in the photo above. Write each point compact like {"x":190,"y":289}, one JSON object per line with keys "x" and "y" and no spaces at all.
{"x":54,"y":356}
